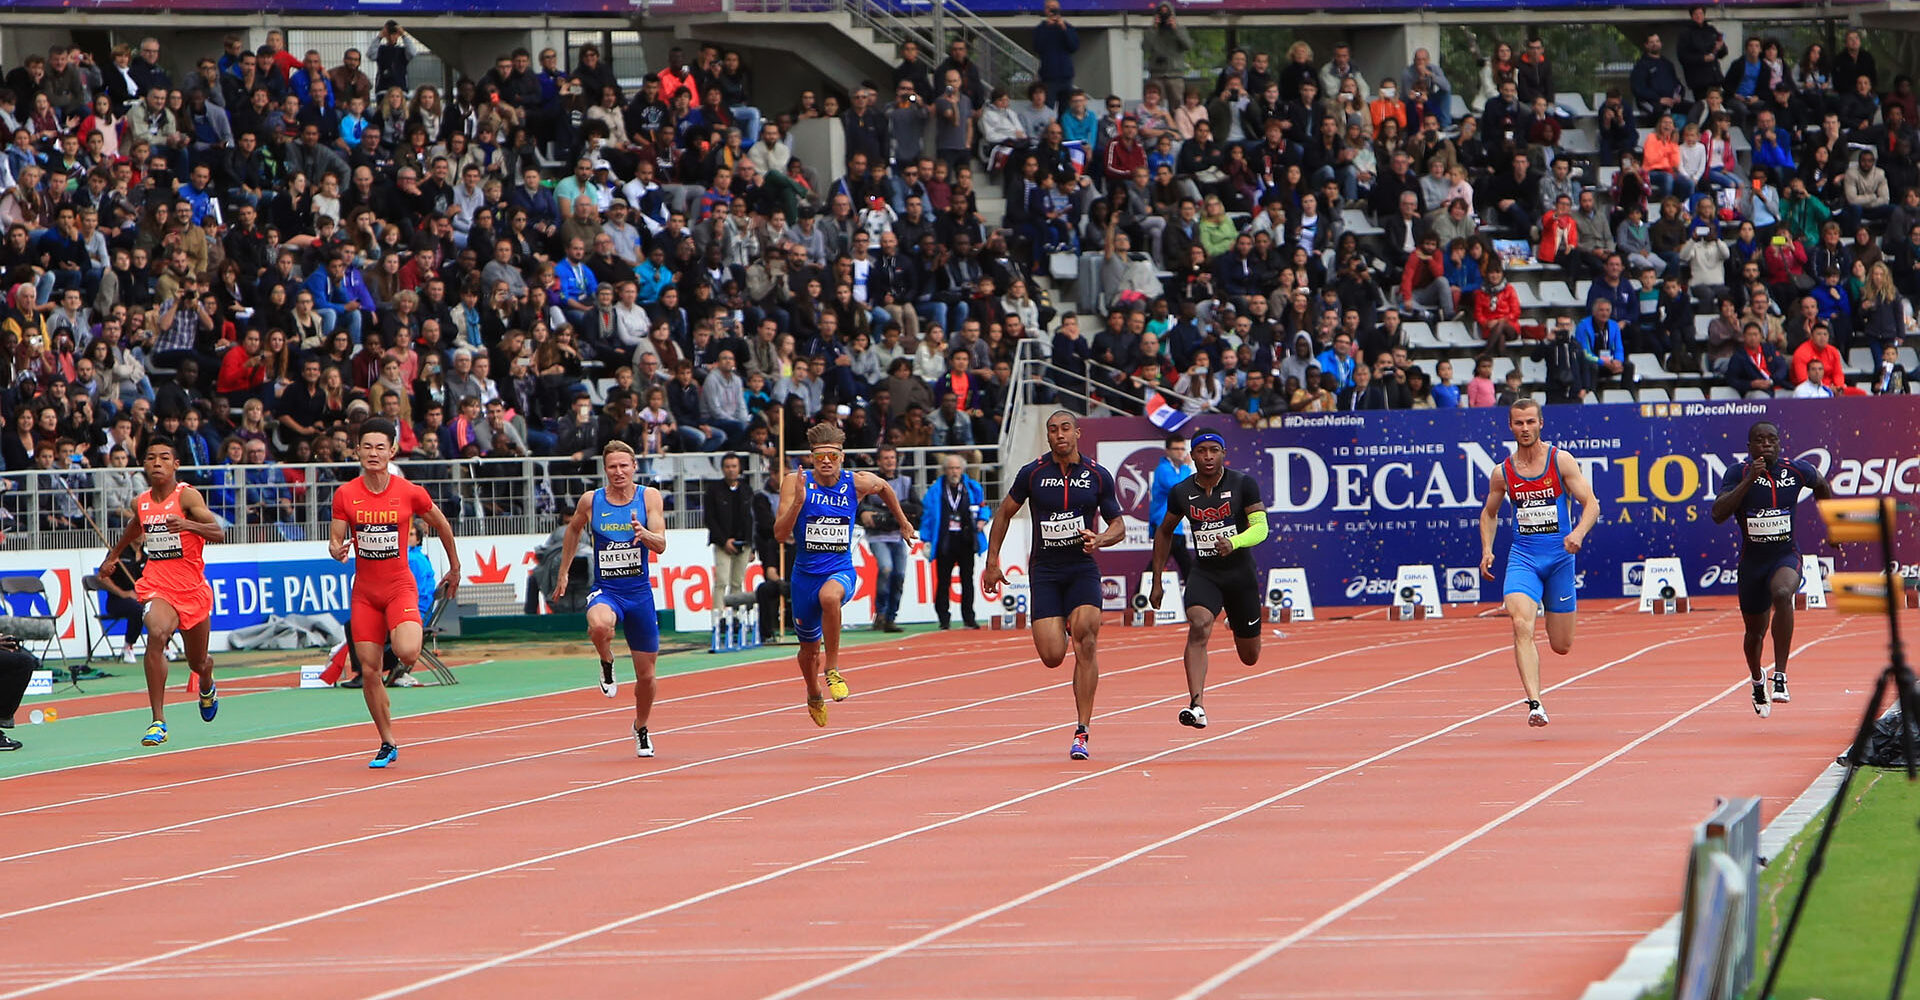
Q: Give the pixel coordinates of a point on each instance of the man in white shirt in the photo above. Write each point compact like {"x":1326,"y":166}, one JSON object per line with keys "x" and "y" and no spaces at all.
{"x":626,"y":239}
{"x":1815,"y":386}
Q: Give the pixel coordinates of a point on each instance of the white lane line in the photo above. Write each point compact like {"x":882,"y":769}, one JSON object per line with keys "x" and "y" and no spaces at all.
{"x":419,"y":715}
{"x":308,"y":800}
{"x":1385,"y":885}
{"x":625,"y":838}
{"x":1087,"y":873}
{"x":422,"y":715}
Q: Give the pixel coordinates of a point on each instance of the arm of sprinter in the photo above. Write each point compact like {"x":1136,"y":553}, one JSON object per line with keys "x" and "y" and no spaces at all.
{"x":869,"y":484}
{"x":1581,"y":490}
{"x":111,"y":564}
{"x":1490,"y":520}
{"x":199,"y":519}
{"x":654,"y":536}
{"x":991,"y":577}
{"x":792,"y":497}
{"x":582,"y":511}
{"x":444,"y":528}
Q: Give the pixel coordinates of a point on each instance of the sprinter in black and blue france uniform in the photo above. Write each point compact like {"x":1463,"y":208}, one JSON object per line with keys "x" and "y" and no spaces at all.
{"x":1067,"y":495}
{"x":1763,"y":493}
{"x":817,"y":508}
{"x":627,"y":524}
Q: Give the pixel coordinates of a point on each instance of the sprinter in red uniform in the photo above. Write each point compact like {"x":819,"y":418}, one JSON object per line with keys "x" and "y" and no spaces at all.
{"x":370,"y":518}
{"x":175,"y":524}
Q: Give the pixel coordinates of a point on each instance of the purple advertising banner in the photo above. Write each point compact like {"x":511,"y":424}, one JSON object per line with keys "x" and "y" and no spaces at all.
{"x":406,"y":8}
{"x":1352,"y":496}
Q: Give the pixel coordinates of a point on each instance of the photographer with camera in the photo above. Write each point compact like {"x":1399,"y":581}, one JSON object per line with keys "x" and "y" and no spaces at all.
{"x":1166,"y":51}
{"x":1570,"y":374}
{"x":728,"y":509}
{"x":16,"y":670}
{"x":883,"y":537}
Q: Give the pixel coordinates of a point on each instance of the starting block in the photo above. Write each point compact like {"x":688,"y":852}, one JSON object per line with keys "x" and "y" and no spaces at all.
{"x":736,"y":624}
{"x":1416,"y":594}
{"x":1813,"y":584}
{"x":1663,"y":589}
{"x":1012,"y":616}
{"x":1143,"y":614}
{"x":1288,"y":598}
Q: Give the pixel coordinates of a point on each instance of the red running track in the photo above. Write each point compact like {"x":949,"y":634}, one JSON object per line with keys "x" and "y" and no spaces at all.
{"x":1367,"y":816}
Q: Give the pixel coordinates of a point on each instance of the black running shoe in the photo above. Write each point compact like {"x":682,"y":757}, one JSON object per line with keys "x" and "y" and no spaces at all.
{"x":642,"y":743}
{"x":1762,"y":705}
{"x":608,"y":686}
{"x":1780,"y":695}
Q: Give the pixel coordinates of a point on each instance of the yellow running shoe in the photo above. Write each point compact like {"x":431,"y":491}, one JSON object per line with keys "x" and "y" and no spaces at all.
{"x":817,"y":707}
{"x":836,"y":685}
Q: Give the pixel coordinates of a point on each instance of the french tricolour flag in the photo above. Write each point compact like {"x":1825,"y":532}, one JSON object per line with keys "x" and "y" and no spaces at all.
{"x":1165,"y":416}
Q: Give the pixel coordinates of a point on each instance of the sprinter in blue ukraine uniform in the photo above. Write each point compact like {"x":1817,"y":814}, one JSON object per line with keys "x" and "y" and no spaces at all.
{"x":817,"y":508}
{"x":1762,"y":494}
{"x":627,"y":523}
{"x":1540,"y":479}
{"x":1067,"y":495}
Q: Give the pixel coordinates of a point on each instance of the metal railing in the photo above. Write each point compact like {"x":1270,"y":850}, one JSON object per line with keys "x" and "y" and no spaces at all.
{"x":49,"y":509}
{"x":923,"y":464}
{"x":1003,"y":61}
{"x":1039,"y":382}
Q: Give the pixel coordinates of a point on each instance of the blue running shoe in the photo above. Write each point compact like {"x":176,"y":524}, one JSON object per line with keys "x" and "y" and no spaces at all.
{"x":209,"y":704}
{"x":1079,"y":751}
{"x":156,"y":735}
{"x":388,"y":756}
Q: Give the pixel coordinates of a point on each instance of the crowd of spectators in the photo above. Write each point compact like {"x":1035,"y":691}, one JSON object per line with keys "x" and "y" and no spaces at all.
{"x":255,"y":254}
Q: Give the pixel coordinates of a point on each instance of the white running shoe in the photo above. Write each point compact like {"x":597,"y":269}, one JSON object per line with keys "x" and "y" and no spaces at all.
{"x":1194,"y":716}
{"x":608,"y":686}
{"x":1780,"y":694}
{"x":642,"y":743}
{"x":1536,"y":716}
{"x":1762,"y":704}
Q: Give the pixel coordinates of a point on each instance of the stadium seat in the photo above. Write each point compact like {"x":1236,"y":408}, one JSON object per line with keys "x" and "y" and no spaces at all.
{"x":1723,"y":392}
{"x":1580,"y":289}
{"x":1700,"y":324}
{"x":1655,"y":396}
{"x":1533,"y":372}
{"x":1454,"y":333}
{"x":1861,"y":359}
{"x":1576,"y":142}
{"x":1558,"y":295}
{"x":1648,"y":366}
{"x":1591,"y":399}
{"x":1357,"y":224}
{"x":1420,"y":337}
{"x":1501,"y":366}
{"x":1575,"y":105}
{"x":1688,"y":394}
{"x":1616,"y":395}
{"x":1457,"y":106}
{"x":1909,"y":359}
{"x":1529,"y":299}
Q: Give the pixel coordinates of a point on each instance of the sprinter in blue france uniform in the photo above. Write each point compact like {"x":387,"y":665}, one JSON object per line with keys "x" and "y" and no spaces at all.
{"x":626,"y":523}
{"x":1540,"y":479}
{"x":817,"y":509}
{"x":1762,"y":494}
{"x":1066,"y":494}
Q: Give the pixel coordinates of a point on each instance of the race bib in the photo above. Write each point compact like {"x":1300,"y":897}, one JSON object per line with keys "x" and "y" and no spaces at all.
{"x":377,"y":541}
{"x":163,"y":544}
{"x":1772,"y":525}
{"x":1541,"y":520}
{"x":1205,"y":540}
{"x":1062,"y":531}
{"x":828,"y":535}
{"x":624,"y":561}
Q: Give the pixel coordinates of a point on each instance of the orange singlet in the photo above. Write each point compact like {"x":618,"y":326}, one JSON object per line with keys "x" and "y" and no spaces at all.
{"x":384,"y":594}
{"x":176,"y":572}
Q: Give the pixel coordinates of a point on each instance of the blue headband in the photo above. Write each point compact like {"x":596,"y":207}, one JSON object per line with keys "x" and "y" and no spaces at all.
{"x":1206,"y":437}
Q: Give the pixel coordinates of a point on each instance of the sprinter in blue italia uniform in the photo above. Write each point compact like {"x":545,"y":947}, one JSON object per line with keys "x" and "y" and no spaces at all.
{"x":817,"y":509}
{"x":1067,"y":495}
{"x":1540,"y":479}
{"x":1763,"y":493}
{"x":626,"y":523}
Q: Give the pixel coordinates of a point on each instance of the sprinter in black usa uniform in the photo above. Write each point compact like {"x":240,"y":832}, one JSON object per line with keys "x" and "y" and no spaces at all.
{"x":1763,"y":493}
{"x":1225,"y":518}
